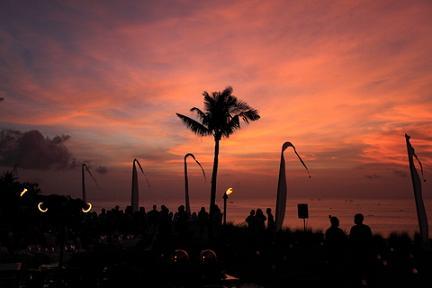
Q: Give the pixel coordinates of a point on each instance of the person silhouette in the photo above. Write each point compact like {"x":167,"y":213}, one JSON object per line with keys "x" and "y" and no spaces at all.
{"x":203,"y":219}
{"x":250,"y":220}
{"x":360,"y":233}
{"x":271,"y":224}
{"x":153,"y":219}
{"x":360,"y":239}
{"x":260,"y":220}
{"x":216,"y":217}
{"x":334,"y":234}
{"x":180,"y":219}
{"x":335,"y":244}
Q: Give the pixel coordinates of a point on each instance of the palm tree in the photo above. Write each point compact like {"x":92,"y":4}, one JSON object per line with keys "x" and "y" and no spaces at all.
{"x":222,"y":117}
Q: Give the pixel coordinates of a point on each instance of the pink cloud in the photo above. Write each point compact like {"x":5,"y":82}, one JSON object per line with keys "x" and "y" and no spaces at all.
{"x":343,"y":81}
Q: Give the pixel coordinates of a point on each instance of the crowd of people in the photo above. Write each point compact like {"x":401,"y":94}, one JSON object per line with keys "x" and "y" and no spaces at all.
{"x":142,"y":244}
{"x":249,"y":251}
{"x":256,"y":220}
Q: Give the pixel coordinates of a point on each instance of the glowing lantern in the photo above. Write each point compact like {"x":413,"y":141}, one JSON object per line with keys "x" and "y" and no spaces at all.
{"x":89,"y":207}
{"x":24,"y":191}
{"x":43,"y":210}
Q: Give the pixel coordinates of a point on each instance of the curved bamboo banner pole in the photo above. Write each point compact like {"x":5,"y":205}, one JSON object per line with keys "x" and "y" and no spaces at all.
{"x":84,"y":168}
{"x":135,"y":190}
{"x":187,"y":202}
{"x":417,"y":187}
{"x":282,"y":186}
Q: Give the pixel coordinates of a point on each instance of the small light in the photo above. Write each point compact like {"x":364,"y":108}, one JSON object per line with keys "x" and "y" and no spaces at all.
{"x":42,"y":209}
{"x":89,"y":207}
{"x":23,"y":192}
{"x":229,"y":191}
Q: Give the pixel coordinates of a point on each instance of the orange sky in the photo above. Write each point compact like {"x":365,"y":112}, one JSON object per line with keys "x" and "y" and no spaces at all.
{"x":342,"y":80}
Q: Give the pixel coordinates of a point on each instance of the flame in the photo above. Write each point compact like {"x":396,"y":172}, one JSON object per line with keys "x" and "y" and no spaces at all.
{"x":42,"y":209}
{"x":229,"y":191}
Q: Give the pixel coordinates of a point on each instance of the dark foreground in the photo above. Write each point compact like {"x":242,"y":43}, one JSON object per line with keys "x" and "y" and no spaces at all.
{"x":238,"y":257}
{"x":58,"y":245}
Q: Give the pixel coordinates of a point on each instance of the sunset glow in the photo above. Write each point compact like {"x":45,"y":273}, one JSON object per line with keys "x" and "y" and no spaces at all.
{"x":343,"y":80}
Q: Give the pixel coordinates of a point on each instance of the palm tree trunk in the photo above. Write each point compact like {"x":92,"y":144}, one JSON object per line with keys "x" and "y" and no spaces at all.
{"x":214,"y":176}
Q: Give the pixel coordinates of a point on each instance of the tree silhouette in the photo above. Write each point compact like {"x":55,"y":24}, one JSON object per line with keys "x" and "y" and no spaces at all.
{"x":17,"y":206}
{"x":221,"y":117}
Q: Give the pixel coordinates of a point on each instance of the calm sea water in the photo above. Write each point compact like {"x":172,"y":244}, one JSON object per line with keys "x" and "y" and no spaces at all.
{"x":384,"y":216}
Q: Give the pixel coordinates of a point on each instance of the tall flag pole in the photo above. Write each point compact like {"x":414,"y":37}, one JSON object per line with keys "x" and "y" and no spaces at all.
{"x":421,"y":211}
{"x":187,"y":202}
{"x":282,"y":186}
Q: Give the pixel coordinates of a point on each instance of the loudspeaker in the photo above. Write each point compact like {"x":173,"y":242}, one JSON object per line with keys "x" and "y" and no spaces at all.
{"x":302,"y":210}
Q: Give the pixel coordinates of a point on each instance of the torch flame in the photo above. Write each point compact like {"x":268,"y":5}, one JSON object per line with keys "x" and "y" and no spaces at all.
{"x":229,"y":191}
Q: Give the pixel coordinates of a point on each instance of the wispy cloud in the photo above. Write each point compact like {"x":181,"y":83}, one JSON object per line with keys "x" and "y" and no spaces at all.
{"x":342,"y":80}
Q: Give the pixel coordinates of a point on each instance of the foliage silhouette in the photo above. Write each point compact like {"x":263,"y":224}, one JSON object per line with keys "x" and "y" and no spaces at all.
{"x":221,"y":117}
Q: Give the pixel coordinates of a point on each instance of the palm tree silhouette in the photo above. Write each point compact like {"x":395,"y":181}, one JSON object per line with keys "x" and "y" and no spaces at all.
{"x":222,"y":117}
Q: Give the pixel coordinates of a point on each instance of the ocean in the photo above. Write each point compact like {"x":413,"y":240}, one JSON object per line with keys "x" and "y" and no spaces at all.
{"x":384,"y":216}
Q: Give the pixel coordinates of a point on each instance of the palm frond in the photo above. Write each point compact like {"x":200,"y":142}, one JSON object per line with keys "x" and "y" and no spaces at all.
{"x":194,"y":125}
{"x":249,"y":115}
{"x":227,"y":91}
{"x":240,"y":106}
{"x":232,"y":125}
{"x":201,"y":115}
{"x":209,"y":101}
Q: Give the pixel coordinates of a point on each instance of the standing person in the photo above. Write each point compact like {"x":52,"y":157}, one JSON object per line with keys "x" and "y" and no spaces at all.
{"x":203,"y":220}
{"x":250,"y":220}
{"x":260,"y":220}
{"x":271,"y":225}
{"x":335,"y":243}
{"x":216,"y":216}
{"x":165,"y":221}
{"x":361,"y":241}
{"x":334,"y":236}
{"x":215,"y":221}
{"x":153,"y":219}
{"x":180,"y":220}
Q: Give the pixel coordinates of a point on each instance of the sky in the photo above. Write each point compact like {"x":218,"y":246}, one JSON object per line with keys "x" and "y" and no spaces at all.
{"x":101,"y":81}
